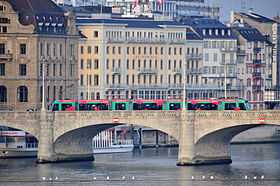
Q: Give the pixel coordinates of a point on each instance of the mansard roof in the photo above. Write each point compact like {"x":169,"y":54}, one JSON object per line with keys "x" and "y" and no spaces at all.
{"x":251,"y":34}
{"x":45,"y":15}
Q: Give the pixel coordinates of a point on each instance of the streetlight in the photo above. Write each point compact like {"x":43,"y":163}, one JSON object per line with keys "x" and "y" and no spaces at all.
{"x":184,"y":84}
{"x":43,"y":87}
{"x":225,"y":84}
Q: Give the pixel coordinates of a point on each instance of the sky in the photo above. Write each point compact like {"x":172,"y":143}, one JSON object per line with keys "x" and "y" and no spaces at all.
{"x":269,"y":8}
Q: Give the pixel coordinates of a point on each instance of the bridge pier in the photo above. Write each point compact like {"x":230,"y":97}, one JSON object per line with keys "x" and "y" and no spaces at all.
{"x":186,"y":140}
{"x":212,"y":151}
{"x":46,"y":152}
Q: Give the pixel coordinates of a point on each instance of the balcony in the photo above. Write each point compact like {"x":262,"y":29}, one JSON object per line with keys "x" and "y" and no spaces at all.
{"x":241,"y":52}
{"x":257,"y":74}
{"x":257,"y":88}
{"x":116,"y":70}
{"x":257,"y":62}
{"x":147,"y":71}
{"x":117,"y":86}
{"x":194,"y":71}
{"x":257,"y":49}
{"x":178,"y":71}
{"x":115,"y":40}
{"x":6,"y":57}
{"x":194,"y":56}
{"x":233,"y":49}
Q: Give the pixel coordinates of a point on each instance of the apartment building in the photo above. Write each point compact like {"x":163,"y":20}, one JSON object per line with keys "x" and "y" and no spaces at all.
{"x":36,"y":37}
{"x":254,"y":65}
{"x":134,"y":58}
{"x":269,"y":28}
{"x":219,"y":57}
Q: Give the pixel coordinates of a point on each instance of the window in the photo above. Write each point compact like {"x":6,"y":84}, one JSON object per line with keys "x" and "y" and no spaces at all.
{"x":82,"y":80}
{"x":82,"y":64}
{"x":96,"y":64}
{"x":89,"y":64}
{"x":22,"y":92}
{"x":22,"y":69}
{"x":82,"y":49}
{"x":2,"y":48}
{"x":2,"y":69}
{"x":96,"y":49}
{"x":96,"y":80}
{"x":3,"y":94}
{"x":89,"y":49}
{"x":95,"y":34}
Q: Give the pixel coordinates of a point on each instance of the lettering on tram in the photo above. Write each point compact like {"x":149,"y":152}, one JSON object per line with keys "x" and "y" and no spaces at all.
{"x":144,"y":104}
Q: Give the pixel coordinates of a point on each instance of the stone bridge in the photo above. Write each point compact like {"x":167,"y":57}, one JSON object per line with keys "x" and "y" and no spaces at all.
{"x":203,"y":136}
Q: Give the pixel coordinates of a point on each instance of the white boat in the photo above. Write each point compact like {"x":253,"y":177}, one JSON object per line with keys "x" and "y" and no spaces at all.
{"x":16,"y":144}
{"x":107,"y":142}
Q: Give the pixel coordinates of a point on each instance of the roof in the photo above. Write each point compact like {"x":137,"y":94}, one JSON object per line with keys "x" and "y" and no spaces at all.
{"x":258,"y":17}
{"x":207,"y":28}
{"x":251,"y":34}
{"x":45,"y":15}
{"x":134,"y":23}
{"x":35,"y":6}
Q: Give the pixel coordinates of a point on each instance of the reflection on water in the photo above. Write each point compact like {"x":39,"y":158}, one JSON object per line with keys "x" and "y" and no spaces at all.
{"x":252,"y":165}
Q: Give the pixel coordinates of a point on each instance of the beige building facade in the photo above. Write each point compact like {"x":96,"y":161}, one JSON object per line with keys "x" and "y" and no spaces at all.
{"x":31,"y":42}
{"x":138,"y":59}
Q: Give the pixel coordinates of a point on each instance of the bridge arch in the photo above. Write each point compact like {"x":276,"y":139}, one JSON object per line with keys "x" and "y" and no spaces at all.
{"x":79,"y":139}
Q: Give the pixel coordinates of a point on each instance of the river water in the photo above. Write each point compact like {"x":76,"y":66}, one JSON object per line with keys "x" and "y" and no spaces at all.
{"x":253,"y":164}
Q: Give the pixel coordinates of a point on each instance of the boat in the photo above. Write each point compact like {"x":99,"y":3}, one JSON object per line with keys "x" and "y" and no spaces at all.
{"x":108,"y":142}
{"x":17,"y":144}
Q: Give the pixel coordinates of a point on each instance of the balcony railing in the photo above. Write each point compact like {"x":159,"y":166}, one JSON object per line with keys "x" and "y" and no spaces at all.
{"x":257,"y":62}
{"x":257,"y":49}
{"x":232,"y":49}
{"x":257,"y":87}
{"x":257,"y":74}
{"x":6,"y":57}
{"x":116,"y":70}
{"x":194,"y":56}
{"x":147,"y":71}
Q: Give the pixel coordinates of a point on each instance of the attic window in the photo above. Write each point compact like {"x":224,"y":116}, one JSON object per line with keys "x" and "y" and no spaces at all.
{"x":223,"y":32}
{"x":210,"y":32}
{"x":2,"y":8}
{"x":204,"y":32}
{"x":216,"y":32}
{"x":229,"y":33}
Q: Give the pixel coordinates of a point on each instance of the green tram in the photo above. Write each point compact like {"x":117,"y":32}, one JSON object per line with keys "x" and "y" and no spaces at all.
{"x":143,"y":104}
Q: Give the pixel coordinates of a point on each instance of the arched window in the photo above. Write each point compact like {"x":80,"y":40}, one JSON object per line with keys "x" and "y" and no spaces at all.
{"x":3,"y":94}
{"x":22,"y":93}
{"x":249,"y":95}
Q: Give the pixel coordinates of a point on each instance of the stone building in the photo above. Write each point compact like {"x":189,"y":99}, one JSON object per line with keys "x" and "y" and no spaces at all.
{"x":134,"y":58}
{"x":254,"y":64}
{"x":36,"y":36}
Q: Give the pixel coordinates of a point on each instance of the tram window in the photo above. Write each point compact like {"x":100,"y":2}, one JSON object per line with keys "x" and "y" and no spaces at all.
{"x":191,"y":106}
{"x":206,"y":106}
{"x":55,"y":107}
{"x":120,"y":106}
{"x":174,"y":106}
{"x":242,"y":106}
{"x":230,"y":106}
{"x":65,"y":106}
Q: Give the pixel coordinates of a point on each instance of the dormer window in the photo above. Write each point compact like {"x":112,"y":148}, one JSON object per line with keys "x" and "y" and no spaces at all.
{"x":210,"y":32}
{"x":216,"y":32}
{"x":223,"y":32}
{"x":204,"y":32}
{"x":229,"y":33}
{"x":2,"y":8}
